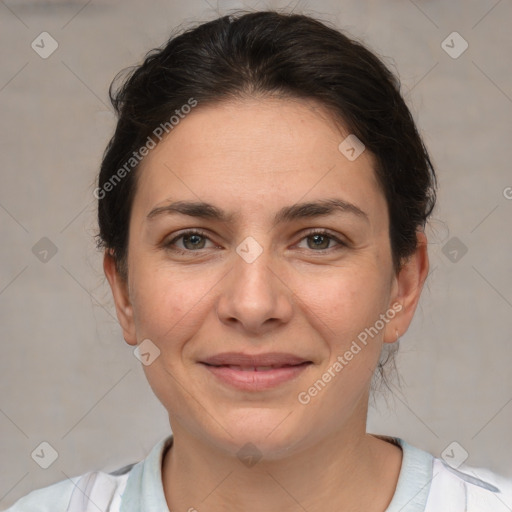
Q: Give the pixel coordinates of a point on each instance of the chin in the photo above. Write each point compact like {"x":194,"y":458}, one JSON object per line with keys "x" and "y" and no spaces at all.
{"x":267,"y":432}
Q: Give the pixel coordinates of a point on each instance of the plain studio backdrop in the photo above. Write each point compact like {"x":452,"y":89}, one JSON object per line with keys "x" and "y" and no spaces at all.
{"x":67,"y":376}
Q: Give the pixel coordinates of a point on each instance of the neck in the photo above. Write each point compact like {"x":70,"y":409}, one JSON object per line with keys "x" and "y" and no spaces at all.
{"x":339,"y":472}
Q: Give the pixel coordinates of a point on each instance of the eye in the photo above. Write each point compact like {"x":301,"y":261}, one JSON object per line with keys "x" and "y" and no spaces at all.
{"x":192,"y":240}
{"x":321,"y":240}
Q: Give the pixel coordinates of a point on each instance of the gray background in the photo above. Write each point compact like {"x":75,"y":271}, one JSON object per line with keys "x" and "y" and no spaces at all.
{"x":68,"y":377}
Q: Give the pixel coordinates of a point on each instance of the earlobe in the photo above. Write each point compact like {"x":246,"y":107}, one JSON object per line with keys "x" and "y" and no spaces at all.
{"x":407,"y":288}
{"x":122,"y":301}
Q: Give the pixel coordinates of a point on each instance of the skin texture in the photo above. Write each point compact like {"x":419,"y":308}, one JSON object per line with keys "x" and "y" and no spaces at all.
{"x":251,"y":158}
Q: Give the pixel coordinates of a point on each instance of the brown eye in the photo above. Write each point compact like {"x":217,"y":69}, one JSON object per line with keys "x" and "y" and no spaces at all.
{"x":321,"y":240}
{"x":192,"y":240}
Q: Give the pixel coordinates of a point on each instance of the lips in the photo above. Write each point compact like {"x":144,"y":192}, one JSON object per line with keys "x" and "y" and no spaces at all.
{"x":255,"y":373}
{"x":255,"y":362}
{"x":255,"y":368}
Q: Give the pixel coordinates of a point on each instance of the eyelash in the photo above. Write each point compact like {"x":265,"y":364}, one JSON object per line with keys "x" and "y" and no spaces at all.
{"x":169,"y":245}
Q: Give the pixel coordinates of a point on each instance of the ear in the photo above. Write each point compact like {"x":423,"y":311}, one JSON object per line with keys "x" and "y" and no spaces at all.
{"x":121,"y":296}
{"x":406,"y":290}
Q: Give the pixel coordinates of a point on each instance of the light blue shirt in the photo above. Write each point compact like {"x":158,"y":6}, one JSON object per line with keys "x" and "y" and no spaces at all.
{"x":425,"y":484}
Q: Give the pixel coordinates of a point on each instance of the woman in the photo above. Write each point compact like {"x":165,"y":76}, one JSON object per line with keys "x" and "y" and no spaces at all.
{"x":262,"y":207}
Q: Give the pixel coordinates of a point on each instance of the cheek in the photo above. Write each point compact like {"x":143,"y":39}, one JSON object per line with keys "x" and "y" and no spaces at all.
{"x":166,"y":303}
{"x":344,"y":302}
{"x":344,"y":308}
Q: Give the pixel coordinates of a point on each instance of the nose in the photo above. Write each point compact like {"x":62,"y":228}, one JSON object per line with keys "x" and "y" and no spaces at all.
{"x":255,"y":297}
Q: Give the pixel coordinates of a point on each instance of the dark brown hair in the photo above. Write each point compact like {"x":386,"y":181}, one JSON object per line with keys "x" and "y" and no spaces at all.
{"x":274,"y":54}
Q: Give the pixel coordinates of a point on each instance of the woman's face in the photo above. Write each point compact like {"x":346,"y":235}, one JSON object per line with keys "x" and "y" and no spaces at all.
{"x":257,"y":280}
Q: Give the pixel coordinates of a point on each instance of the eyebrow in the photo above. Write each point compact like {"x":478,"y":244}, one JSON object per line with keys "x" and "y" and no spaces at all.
{"x":307,"y":210}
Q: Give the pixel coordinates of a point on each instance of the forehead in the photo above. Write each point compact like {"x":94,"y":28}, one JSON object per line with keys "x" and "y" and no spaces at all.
{"x":257,"y":151}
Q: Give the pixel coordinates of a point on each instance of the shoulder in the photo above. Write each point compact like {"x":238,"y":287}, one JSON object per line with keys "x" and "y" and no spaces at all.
{"x":135,"y":486}
{"x":54,"y":498}
{"x":478,"y":489}
{"x":73,"y":495}
{"x":429,"y":484}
